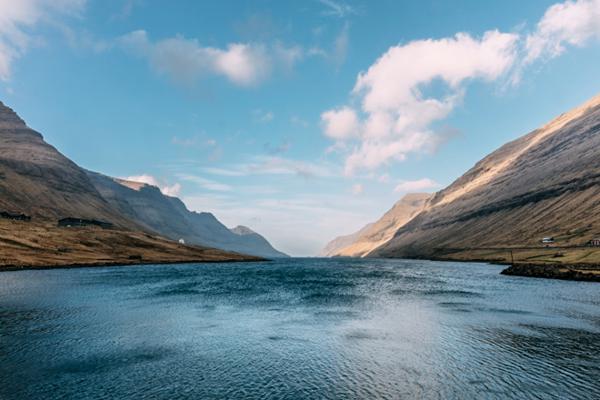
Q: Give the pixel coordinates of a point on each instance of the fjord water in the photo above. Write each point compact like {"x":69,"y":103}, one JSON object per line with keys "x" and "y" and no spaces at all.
{"x":297,"y":328}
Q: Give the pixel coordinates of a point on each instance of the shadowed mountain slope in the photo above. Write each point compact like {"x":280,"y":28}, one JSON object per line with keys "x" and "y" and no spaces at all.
{"x":169,"y":217}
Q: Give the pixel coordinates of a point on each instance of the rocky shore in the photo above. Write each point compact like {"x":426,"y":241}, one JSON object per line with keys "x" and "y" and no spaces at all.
{"x":590,"y":273}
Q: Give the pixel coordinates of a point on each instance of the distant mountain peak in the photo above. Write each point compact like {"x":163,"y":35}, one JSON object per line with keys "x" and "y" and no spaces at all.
{"x":242,"y":230}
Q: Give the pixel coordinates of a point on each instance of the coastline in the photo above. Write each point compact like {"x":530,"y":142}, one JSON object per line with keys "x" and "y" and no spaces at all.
{"x":587,"y":273}
{"x":548,"y":267}
{"x":30,"y":267}
{"x":27,"y":246}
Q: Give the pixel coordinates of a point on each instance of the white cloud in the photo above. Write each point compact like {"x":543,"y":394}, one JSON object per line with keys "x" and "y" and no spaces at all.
{"x":185,"y":60}
{"x":396,"y":115}
{"x":416,"y":186}
{"x":263,"y":116}
{"x":570,"y":23}
{"x":340,"y":124}
{"x":205,"y":183}
{"x":169,"y":190}
{"x":17,"y":18}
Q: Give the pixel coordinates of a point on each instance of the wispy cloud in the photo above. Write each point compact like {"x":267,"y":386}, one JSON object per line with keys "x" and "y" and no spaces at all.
{"x":204,"y":182}
{"x":357,"y":189}
{"x":263,"y":116}
{"x":279,"y":149}
{"x":276,"y":165}
{"x":126,"y":9}
{"x":316,"y":217}
{"x":18,"y":20}
{"x":419,"y":185}
{"x":337,"y":8}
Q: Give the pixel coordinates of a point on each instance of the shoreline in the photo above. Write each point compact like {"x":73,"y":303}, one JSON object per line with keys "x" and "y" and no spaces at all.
{"x":581,"y":273}
{"x":13,"y":268}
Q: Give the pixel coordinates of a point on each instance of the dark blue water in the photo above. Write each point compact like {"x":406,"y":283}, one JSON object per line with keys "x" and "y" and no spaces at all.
{"x":294,"y":329}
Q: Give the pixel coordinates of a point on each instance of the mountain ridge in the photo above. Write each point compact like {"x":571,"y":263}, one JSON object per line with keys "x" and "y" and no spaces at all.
{"x":39,"y":187}
{"x":545,"y":183}
{"x":168,"y":216}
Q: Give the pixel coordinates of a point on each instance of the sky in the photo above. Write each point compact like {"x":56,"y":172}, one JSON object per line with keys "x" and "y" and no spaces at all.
{"x":303,"y":120}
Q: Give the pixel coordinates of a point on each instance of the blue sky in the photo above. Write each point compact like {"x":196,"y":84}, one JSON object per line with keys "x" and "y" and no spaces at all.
{"x":303,"y":120}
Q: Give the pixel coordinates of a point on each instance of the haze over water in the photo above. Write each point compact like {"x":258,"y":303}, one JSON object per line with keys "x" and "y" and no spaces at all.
{"x":298,"y":328}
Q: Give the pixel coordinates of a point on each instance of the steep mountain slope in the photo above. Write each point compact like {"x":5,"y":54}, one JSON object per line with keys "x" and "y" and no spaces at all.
{"x":333,"y":248}
{"x":375,"y":234}
{"x":39,"y":186}
{"x":546,"y":183}
{"x":169,"y":217}
{"x":257,"y":241}
{"x":37,"y":180}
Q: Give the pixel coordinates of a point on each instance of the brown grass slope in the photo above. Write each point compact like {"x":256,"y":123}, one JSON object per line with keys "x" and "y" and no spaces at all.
{"x":546,"y":183}
{"x":26,"y":245}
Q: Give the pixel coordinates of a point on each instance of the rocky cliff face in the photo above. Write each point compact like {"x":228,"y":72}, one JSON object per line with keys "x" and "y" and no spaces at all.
{"x":546,"y":183}
{"x":169,"y":217}
{"x":375,"y":234}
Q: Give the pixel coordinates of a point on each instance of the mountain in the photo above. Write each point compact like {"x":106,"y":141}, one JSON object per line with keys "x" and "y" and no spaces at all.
{"x":37,"y":180}
{"x":373,"y":235}
{"x":39,"y":187}
{"x":544,"y":184}
{"x":257,"y":241}
{"x":169,"y":217}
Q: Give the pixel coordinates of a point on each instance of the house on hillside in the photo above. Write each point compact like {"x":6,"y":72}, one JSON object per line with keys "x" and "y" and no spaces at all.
{"x":548,"y":240}
{"x":14,"y":216}
{"x":76,"y":222}
{"x":594,"y":242}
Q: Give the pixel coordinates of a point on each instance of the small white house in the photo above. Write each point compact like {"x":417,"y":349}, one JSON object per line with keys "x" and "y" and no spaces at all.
{"x":548,"y":240}
{"x":181,"y":241}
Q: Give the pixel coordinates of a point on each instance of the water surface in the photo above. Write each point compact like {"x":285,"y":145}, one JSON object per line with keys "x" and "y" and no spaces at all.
{"x":295,"y":329}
